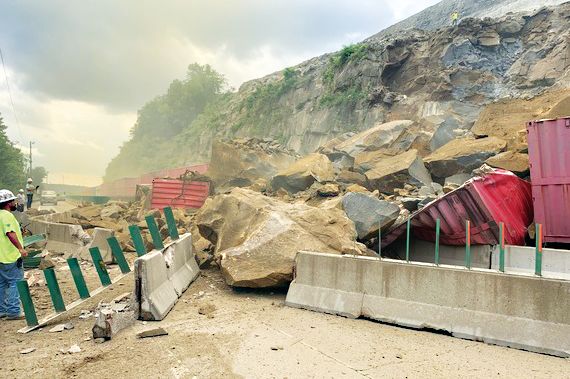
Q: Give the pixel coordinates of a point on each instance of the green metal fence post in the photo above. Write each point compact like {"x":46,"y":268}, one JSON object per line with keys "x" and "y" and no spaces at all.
{"x":171,"y":222}
{"x":78,"y":278}
{"x":468,"y":244}
{"x":154,"y":232}
{"x":437,"y":225}
{"x":100,"y":266}
{"x":118,"y":254}
{"x":538,"y":253}
{"x":502,"y":247}
{"x":379,"y":240}
{"x":408,"y":226}
{"x":54,"y":291}
{"x":137,"y":240}
{"x":27,"y":303}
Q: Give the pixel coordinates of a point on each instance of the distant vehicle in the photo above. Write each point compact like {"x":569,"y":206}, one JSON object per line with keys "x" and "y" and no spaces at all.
{"x":61,"y":196}
{"x":48,"y":197}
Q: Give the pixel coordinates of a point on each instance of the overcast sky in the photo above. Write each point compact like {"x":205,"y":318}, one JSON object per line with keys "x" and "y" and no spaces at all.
{"x":80,"y":70}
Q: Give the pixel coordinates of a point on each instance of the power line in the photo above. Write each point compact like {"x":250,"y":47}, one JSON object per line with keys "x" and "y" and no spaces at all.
{"x":11,"y":99}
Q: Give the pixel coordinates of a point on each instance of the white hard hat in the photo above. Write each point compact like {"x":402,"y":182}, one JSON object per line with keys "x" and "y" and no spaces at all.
{"x":21,"y":190}
{"x":30,"y":180}
{"x":6,"y":195}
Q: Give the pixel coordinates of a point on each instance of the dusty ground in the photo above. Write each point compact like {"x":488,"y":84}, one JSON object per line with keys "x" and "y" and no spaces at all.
{"x":224,"y":333}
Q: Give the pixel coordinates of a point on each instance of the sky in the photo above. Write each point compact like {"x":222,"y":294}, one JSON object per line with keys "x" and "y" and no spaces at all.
{"x":78,"y":71}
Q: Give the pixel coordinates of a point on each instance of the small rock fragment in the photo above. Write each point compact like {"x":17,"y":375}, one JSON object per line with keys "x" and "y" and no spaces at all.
{"x":74,"y":349}
{"x":68,"y":326}
{"x":207,"y":310}
{"x":85,"y":314}
{"x":154,"y":332}
{"x":57,"y":328}
{"x":122,"y":297}
{"x":28,"y":350}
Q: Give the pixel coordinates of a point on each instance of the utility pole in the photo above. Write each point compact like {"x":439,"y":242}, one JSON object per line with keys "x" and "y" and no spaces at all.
{"x":31,"y":143}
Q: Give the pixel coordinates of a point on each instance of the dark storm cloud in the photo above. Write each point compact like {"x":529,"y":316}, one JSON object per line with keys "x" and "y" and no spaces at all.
{"x":122,"y":53}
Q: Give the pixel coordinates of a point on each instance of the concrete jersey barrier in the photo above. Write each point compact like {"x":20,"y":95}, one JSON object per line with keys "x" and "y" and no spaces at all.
{"x":62,"y":238}
{"x":162,"y":276}
{"x":182,"y":268}
{"x":99,"y":240}
{"x":521,"y":259}
{"x":523,"y":312}
{"x":154,"y":293}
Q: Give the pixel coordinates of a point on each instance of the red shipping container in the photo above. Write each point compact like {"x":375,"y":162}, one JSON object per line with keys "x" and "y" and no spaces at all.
{"x":498,"y":196}
{"x":176,"y":193}
{"x":549,"y":155}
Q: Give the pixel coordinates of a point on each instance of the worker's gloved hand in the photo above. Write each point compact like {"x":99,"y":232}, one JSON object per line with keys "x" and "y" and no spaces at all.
{"x":23,"y":253}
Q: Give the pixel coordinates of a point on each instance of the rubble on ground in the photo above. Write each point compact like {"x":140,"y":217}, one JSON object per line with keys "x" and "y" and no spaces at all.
{"x":110,"y":318}
{"x":93,"y":224}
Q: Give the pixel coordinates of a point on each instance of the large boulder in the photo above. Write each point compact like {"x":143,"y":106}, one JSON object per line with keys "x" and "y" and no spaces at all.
{"x":382,"y":136}
{"x":369,"y":214}
{"x":112,"y":210}
{"x":256,"y":237}
{"x":351,"y":177}
{"x":394,"y":172}
{"x":512,"y":161}
{"x":366,"y":160}
{"x":303,"y":173}
{"x":246,"y":160}
{"x":462,"y":156}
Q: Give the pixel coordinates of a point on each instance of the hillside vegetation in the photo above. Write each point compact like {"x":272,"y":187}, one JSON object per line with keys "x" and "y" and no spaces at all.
{"x":12,"y":175}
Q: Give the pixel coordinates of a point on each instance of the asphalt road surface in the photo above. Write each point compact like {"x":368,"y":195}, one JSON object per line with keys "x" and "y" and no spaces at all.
{"x":62,"y":206}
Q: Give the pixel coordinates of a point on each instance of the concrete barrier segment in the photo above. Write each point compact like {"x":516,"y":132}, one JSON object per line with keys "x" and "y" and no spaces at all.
{"x":182,"y":266}
{"x":154,"y":293}
{"x":520,"y":259}
{"x":520,"y":311}
{"x":162,"y":276}
{"x":99,"y":240}
{"x":63,"y":239}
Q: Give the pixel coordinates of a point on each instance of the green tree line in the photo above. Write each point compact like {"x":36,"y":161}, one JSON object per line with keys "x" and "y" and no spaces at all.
{"x":165,"y":117}
{"x":12,"y":162}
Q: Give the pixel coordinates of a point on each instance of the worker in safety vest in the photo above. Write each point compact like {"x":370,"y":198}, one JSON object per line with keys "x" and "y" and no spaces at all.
{"x":30,"y":190}
{"x":454,"y":18}
{"x":11,"y":254}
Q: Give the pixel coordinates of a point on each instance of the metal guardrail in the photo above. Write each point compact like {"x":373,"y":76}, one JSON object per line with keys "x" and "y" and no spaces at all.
{"x":78,"y":278}
{"x":538,"y":245}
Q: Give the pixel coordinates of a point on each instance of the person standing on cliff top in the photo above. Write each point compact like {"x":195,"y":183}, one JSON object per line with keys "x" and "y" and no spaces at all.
{"x":454,"y":18}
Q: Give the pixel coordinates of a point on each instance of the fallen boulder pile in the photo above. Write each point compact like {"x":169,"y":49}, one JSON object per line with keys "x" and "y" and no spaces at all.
{"x":90,"y":225}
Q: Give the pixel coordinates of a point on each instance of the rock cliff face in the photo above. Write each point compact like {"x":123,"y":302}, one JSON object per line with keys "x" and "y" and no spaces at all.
{"x":440,"y":79}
